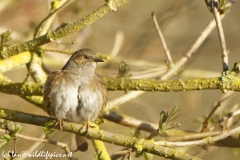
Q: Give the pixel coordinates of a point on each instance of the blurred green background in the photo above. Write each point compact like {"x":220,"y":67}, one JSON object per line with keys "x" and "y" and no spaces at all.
{"x":181,"y":23}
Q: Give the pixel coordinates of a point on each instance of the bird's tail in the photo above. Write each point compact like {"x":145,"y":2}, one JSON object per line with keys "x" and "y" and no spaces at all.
{"x":78,"y":142}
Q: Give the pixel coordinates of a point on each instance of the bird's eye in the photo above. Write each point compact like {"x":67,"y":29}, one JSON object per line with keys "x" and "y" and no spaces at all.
{"x":85,"y":56}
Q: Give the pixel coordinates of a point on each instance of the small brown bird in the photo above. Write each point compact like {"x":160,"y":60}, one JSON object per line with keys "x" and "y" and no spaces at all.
{"x":76,"y":93}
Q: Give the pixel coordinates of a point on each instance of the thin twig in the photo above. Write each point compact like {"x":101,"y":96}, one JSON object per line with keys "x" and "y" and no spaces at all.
{"x":189,"y":136}
{"x":222,"y":39}
{"x":117,"y":44}
{"x":121,"y":153}
{"x":130,"y":121}
{"x":193,"y":48}
{"x":208,"y":140}
{"x":123,"y":99}
{"x":205,"y":123}
{"x":228,"y":116}
{"x":60,"y":144}
{"x":166,"y":50}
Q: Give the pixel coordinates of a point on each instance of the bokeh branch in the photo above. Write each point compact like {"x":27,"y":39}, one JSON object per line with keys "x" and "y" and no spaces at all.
{"x":65,"y":30}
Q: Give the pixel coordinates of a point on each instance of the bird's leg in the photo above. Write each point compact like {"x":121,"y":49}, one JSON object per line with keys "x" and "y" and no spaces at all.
{"x":87,"y":126}
{"x":60,"y":122}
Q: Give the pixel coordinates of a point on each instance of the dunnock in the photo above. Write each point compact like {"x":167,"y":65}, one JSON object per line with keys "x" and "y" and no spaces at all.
{"x":75,"y":93}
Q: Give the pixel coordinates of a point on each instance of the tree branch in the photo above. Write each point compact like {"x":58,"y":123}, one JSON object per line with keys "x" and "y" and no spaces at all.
{"x":227,"y":82}
{"x":138,"y":144}
{"x":63,"y":31}
{"x":100,"y":149}
{"x":14,"y":61}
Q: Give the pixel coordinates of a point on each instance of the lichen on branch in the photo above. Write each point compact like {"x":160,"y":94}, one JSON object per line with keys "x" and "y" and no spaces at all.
{"x":113,"y":84}
{"x":93,"y":132}
{"x":62,"y":31}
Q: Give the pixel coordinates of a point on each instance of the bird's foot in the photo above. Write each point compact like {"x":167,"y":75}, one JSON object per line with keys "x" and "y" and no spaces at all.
{"x":60,"y":122}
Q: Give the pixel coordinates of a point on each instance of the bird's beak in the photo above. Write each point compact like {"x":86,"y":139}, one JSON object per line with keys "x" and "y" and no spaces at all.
{"x":98,"y":60}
